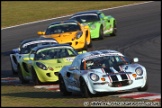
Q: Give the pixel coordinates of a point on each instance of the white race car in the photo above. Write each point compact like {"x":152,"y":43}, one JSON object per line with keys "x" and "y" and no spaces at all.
{"x":24,"y":49}
{"x":102,"y":71}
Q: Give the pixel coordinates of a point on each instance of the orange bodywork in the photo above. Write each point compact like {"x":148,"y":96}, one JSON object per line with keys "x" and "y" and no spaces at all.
{"x":71,"y":39}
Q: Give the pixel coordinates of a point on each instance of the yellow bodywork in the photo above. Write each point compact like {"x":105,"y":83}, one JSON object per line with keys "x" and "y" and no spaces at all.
{"x":71,"y":39}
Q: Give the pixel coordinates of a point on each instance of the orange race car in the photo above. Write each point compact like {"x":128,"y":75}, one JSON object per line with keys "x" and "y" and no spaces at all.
{"x":69,"y":32}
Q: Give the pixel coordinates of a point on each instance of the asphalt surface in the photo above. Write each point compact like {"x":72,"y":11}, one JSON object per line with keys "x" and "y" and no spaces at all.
{"x":139,"y":35}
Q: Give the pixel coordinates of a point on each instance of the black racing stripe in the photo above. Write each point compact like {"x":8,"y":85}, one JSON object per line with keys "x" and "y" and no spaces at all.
{"x":124,"y":76}
{"x":113,"y":77}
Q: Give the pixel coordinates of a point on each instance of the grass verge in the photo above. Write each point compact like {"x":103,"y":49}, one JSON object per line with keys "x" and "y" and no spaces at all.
{"x":18,"y":12}
{"x":28,"y":96}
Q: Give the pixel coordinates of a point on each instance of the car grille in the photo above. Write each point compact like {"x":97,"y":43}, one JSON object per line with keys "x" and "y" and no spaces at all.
{"x":121,"y":83}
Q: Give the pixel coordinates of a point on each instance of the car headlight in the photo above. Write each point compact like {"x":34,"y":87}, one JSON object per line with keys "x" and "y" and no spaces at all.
{"x":41,"y":65}
{"x":94,"y":77}
{"x":139,"y":71}
{"x":93,"y":26}
{"x":79,"y":34}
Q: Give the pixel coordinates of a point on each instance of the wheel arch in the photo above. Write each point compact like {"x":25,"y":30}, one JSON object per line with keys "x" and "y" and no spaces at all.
{"x":83,"y":78}
{"x":112,"y":21}
{"x":34,"y":71}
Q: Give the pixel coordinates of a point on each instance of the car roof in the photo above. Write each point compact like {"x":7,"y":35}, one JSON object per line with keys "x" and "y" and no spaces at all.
{"x":87,"y":12}
{"x":48,"y":46}
{"x":98,"y":53}
{"x":36,"y":39}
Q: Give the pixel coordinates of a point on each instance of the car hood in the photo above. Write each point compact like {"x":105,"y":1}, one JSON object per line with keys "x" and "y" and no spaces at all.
{"x":126,"y":68}
{"x":55,"y":61}
{"x":130,"y":67}
{"x":57,"y":64}
{"x":63,"y":37}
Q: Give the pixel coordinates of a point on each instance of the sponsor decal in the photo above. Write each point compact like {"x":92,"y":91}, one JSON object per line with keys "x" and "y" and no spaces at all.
{"x":70,"y":59}
{"x":138,"y":78}
{"x":59,"y":66}
{"x":101,"y":55}
{"x":106,"y":31}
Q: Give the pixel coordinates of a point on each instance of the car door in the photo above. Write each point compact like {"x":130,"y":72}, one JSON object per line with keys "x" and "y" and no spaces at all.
{"x":73,"y":74}
{"x":105,"y":21}
{"x":29,"y":64}
{"x":76,"y":76}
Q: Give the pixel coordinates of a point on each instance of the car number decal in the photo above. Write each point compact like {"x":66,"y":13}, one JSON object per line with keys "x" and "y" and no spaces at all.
{"x":70,"y":59}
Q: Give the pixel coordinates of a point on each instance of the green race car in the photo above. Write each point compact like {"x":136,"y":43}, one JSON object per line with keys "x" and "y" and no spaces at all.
{"x":44,"y":62}
{"x":100,"y":24}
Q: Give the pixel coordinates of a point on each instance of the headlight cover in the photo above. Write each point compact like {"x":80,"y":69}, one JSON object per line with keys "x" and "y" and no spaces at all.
{"x":79,"y":34}
{"x":41,"y":65}
{"x":94,"y":77}
{"x":139,"y":71}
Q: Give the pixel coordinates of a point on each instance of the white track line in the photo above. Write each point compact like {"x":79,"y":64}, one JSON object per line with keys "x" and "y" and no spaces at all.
{"x":71,"y":14}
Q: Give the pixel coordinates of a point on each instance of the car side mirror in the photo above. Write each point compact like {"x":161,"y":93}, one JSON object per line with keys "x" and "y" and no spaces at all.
{"x":16,"y":50}
{"x":40,"y":33}
{"x":135,"y":59}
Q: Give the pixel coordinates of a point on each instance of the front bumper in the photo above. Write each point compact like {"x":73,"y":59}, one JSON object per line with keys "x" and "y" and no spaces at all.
{"x":112,"y":85}
{"x":46,"y":75}
{"x":107,"y":88}
{"x":77,"y":44}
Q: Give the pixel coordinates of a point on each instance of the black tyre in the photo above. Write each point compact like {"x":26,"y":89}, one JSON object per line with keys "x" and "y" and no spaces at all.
{"x":85,"y":46}
{"x":144,"y":88}
{"x":114,"y":30}
{"x":90,"y":45}
{"x":62,"y":86}
{"x":101,"y":35}
{"x":84,"y":89}
{"x":23,"y":81}
{"x":35,"y":78}
{"x":13,"y":71}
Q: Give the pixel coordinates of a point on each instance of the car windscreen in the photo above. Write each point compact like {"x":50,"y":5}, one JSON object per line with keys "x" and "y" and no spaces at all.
{"x":26,"y":48}
{"x":86,"y":18}
{"x":55,"y":53}
{"x":105,"y":62}
{"x":62,"y":28}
